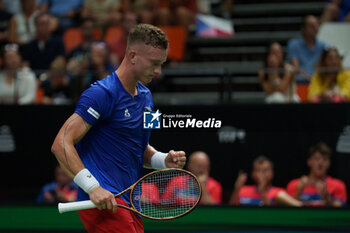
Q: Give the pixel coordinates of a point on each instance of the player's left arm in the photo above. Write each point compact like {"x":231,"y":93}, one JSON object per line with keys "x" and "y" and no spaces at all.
{"x":158,"y":160}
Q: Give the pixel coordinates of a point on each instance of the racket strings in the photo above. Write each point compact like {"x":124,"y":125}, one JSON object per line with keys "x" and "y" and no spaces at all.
{"x":166,"y":194}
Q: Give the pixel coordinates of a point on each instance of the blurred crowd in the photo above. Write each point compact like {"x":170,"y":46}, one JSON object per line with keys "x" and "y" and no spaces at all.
{"x":52,"y":50}
{"x":308,"y":61}
{"x":315,"y":189}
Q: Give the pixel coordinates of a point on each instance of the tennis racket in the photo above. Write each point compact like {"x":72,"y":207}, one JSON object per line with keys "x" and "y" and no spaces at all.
{"x":160,"y":195}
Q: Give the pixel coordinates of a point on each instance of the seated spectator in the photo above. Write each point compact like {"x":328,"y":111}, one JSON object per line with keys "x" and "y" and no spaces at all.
{"x":163,"y":13}
{"x":303,"y":52}
{"x":317,"y":188}
{"x":180,"y":13}
{"x":17,"y":84}
{"x":199,"y":164}
{"x":99,"y":65}
{"x":60,"y":190}
{"x":145,"y":9}
{"x":57,"y":87}
{"x":105,"y":13}
{"x":262,"y":193}
{"x":336,"y":10}
{"x":277,"y":78}
{"x":83,"y":50}
{"x":5,"y":18}
{"x":118,"y":47}
{"x":330,"y":83}
{"x":42,"y":51}
{"x":67,"y":12}
{"x":22,"y":27}
{"x":12,"y":6}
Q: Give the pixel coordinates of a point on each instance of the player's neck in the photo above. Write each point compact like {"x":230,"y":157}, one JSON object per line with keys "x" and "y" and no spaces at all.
{"x":128,"y":81}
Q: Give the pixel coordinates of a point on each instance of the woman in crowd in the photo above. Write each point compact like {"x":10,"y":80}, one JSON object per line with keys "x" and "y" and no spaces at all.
{"x":330,"y":83}
{"x":277,"y":77}
{"x":17,"y":84}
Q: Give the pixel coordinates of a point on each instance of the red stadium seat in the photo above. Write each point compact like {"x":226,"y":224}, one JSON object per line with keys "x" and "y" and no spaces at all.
{"x":177,"y":36}
{"x":73,"y":37}
{"x":112,"y":34}
{"x":303,"y":91}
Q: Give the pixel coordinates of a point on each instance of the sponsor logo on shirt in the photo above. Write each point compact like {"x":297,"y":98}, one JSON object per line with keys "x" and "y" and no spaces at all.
{"x":94,"y":113}
{"x":126,"y":113}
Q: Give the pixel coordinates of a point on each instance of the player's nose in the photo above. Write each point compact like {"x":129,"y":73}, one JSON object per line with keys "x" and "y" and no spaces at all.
{"x":158,"y":70}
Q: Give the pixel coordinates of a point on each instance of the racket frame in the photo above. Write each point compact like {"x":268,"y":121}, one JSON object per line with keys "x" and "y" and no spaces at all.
{"x":150,"y":174}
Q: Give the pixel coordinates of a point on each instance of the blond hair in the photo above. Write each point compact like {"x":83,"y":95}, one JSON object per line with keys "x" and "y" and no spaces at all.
{"x":149,"y":35}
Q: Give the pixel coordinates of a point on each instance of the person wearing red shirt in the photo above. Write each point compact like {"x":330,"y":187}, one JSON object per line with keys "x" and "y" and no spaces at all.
{"x":199,"y":164}
{"x":317,"y":188}
{"x":262,"y":193}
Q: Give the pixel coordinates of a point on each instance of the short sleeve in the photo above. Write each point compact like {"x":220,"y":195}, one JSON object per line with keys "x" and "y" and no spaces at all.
{"x":216,"y":192}
{"x":340,"y":192}
{"x":291,"y":187}
{"x":315,"y":88}
{"x":291,"y":50}
{"x":94,"y":104}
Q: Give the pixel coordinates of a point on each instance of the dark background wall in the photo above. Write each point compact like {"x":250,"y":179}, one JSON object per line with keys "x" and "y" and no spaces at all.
{"x":284,"y":133}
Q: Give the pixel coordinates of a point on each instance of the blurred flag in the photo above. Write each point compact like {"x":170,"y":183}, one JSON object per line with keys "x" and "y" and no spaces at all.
{"x":212,"y":26}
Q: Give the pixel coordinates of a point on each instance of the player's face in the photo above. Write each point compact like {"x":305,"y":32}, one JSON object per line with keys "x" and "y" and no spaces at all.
{"x":262,"y":172}
{"x":318,"y":164}
{"x":148,"y":63}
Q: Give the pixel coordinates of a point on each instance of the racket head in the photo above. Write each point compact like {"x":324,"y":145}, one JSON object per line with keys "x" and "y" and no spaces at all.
{"x":166,"y":194}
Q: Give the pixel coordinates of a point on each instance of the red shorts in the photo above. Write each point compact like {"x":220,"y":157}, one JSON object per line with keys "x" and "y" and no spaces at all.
{"x":105,"y":221}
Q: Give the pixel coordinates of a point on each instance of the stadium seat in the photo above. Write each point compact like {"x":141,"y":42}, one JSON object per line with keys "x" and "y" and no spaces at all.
{"x":303,"y":91}
{"x":177,"y":36}
{"x":73,"y":37}
{"x":112,"y":34}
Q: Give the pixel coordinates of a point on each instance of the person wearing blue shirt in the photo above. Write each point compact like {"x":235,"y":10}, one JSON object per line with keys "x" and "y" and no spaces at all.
{"x":304,"y":52}
{"x":103,"y":145}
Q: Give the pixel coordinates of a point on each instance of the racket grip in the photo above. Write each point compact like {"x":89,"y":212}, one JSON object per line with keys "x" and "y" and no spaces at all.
{"x":73,"y":206}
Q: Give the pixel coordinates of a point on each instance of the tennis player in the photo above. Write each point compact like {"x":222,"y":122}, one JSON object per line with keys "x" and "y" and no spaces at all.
{"x":103,"y":145}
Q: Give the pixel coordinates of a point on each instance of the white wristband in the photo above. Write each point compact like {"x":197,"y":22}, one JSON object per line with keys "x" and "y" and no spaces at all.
{"x":86,"y":180}
{"x":158,"y":160}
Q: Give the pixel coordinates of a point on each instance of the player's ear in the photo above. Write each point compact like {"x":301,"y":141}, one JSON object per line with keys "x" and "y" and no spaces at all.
{"x":132,"y":56}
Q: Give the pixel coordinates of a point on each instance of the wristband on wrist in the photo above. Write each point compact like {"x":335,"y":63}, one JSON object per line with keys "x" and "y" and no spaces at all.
{"x":158,"y":160}
{"x":85,"y":180}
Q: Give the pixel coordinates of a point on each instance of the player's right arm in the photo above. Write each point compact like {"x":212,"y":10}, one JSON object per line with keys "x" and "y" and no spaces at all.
{"x":72,"y":131}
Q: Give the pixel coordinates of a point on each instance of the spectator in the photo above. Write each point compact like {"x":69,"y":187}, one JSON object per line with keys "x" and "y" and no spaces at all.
{"x":4,"y":24}
{"x":22,"y":27}
{"x":277,"y":78}
{"x":199,"y":164}
{"x":262,"y":193}
{"x":60,"y":190}
{"x":83,"y":50}
{"x":12,"y":6}
{"x":118,"y":47}
{"x":17,"y":85}
{"x":67,"y":12}
{"x":178,"y":12}
{"x":99,"y":65}
{"x":331,"y":83}
{"x":57,"y":87}
{"x":304,"y":52}
{"x":104,"y":12}
{"x":42,"y":51}
{"x":145,"y":9}
{"x":336,"y":10}
{"x":318,"y":189}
